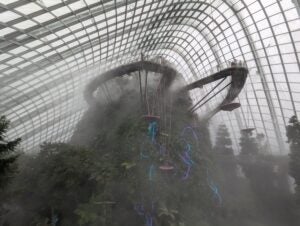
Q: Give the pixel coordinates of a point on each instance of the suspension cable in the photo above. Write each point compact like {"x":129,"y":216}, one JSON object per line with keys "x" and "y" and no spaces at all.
{"x":141,"y":89}
{"x":210,"y":98}
{"x":192,"y":108}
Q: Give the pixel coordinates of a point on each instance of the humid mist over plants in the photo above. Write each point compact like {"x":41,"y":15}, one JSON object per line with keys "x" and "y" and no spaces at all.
{"x":141,"y":157}
{"x":149,"y":113}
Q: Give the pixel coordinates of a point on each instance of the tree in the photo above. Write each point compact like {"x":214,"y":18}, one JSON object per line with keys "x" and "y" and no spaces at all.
{"x":249,"y":151}
{"x":51,"y":184}
{"x":248,"y":143}
{"x":293,"y":135}
{"x":7,"y":153}
{"x":223,"y":143}
{"x":134,"y":159}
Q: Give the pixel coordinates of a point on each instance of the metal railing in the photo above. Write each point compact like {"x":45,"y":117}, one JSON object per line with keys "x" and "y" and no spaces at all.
{"x":227,"y":64}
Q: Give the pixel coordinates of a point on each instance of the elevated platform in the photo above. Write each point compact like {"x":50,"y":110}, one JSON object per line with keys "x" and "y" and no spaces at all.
{"x":238,"y":76}
{"x":230,"y":106}
{"x":166,"y":167}
{"x":167,"y":72}
{"x":231,"y":71}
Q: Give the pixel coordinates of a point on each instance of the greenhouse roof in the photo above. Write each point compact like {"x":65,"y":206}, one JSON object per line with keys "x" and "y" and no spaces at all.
{"x":50,"y":50}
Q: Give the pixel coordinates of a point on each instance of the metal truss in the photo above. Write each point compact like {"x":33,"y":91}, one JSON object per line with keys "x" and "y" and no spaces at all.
{"x":50,"y":50}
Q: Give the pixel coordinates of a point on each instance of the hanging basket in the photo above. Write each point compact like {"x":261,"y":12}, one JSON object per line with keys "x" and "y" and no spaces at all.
{"x":166,"y":167}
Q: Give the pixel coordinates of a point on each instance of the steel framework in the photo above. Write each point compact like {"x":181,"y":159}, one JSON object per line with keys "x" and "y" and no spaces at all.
{"x":50,"y":50}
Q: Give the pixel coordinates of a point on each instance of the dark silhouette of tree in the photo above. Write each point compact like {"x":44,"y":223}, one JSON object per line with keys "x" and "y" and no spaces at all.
{"x":262,"y":143}
{"x":249,"y":153}
{"x":267,"y":178}
{"x":7,"y":153}
{"x":223,"y":142}
{"x":293,"y":135}
{"x":52,"y":183}
{"x":248,"y":143}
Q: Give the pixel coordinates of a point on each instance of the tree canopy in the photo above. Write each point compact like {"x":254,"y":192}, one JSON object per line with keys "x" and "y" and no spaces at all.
{"x":8,"y":154}
{"x":223,"y":141}
{"x":293,"y":135}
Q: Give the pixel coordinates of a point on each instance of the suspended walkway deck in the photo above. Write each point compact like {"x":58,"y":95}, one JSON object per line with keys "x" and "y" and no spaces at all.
{"x":238,"y":74}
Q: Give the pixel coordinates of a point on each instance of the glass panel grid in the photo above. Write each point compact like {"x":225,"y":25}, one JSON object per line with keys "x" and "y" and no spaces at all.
{"x":49,"y":50}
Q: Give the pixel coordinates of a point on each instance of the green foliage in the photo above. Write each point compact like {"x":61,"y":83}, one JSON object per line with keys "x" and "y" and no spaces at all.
{"x":293,"y":135}
{"x":267,"y":178}
{"x":169,"y":217}
{"x":91,"y":213}
{"x":223,"y":142}
{"x":248,"y":143}
{"x":97,"y":179}
{"x":122,"y":137}
{"x":53,"y":182}
{"x":7,"y":153}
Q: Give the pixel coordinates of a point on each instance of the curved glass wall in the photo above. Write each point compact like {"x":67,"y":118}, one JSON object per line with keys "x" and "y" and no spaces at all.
{"x":50,"y":49}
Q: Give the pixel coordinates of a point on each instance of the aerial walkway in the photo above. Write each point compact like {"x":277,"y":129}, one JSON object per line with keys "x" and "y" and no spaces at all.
{"x":168,"y":75}
{"x":238,"y":73}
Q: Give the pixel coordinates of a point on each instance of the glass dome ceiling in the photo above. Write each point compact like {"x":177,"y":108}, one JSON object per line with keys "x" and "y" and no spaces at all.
{"x":50,"y":50}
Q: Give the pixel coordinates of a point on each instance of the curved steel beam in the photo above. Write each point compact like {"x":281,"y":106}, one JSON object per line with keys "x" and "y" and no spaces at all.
{"x":260,"y":69}
{"x":238,"y":78}
{"x":167,"y":72}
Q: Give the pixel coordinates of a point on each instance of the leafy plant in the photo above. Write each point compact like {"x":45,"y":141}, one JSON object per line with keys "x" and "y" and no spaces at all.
{"x":293,"y":135}
{"x":223,"y":141}
{"x":8,"y":153}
